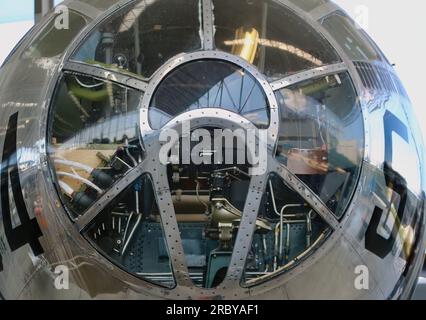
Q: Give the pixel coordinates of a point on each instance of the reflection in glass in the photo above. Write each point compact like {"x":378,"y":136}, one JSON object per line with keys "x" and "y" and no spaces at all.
{"x":52,"y":41}
{"x":209,"y":84}
{"x":309,"y":5}
{"x":295,"y":232}
{"x":130,"y":233}
{"x":322,"y":137}
{"x":141,"y":38}
{"x":416,"y":131}
{"x":270,"y":36}
{"x":94,"y":137}
{"x":351,"y":38}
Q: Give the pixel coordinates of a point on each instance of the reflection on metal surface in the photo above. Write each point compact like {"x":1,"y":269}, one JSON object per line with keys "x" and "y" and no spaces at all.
{"x":248,"y":47}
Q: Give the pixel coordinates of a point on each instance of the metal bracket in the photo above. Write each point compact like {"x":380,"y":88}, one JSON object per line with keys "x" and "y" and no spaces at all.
{"x":208,"y":21}
{"x":309,"y":74}
{"x":114,"y":76}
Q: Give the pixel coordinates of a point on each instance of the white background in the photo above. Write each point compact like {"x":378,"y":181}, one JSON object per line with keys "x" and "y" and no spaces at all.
{"x":10,"y":33}
{"x":398,"y":27}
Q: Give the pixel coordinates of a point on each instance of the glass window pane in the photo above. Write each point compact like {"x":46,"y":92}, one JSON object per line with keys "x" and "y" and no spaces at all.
{"x":309,"y":5}
{"x":130,"y":233}
{"x":322,"y":137}
{"x":143,"y":37}
{"x":350,"y":37}
{"x":296,"y":231}
{"x":94,"y":137}
{"x":270,"y":36}
{"x":209,"y":84}
{"x":102,"y":4}
{"x":209,"y":200}
{"x":52,"y":41}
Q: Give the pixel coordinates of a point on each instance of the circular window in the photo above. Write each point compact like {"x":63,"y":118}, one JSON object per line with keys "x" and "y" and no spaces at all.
{"x":209,"y":84}
{"x":212,"y":221}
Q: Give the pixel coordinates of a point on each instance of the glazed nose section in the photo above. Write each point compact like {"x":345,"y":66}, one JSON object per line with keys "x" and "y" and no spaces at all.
{"x":209,"y":84}
{"x":205,"y":192}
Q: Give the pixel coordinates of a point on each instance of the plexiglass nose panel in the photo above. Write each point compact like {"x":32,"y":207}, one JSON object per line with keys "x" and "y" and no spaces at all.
{"x":322,"y":136}
{"x":269,"y":36}
{"x":209,"y":84}
{"x":94,"y":138}
{"x":203,"y":218}
{"x":130,"y":233}
{"x":142,"y":37}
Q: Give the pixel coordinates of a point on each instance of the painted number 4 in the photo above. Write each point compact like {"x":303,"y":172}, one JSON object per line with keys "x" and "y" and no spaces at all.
{"x":28,"y":232}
